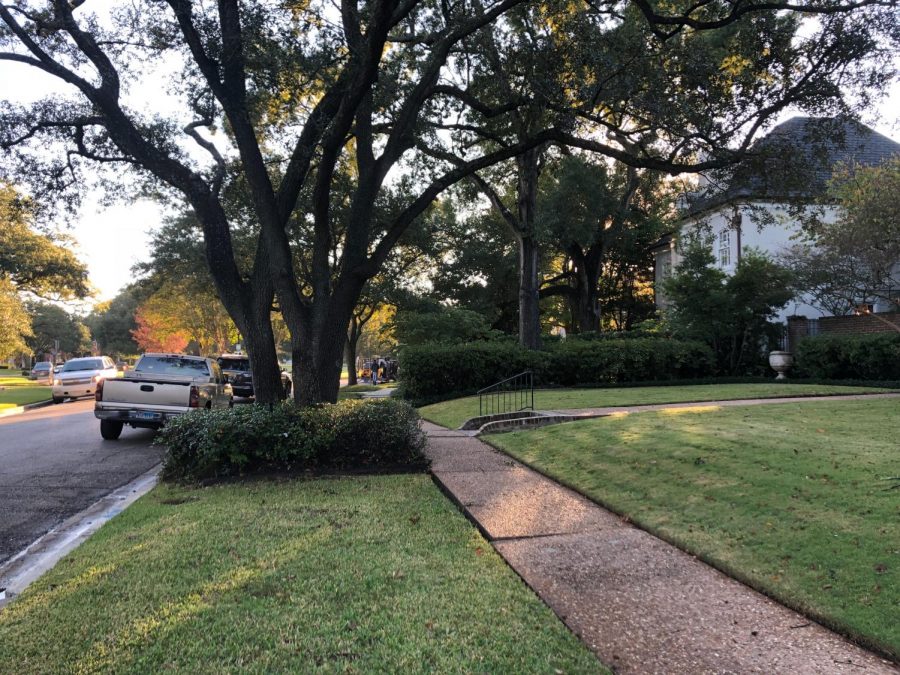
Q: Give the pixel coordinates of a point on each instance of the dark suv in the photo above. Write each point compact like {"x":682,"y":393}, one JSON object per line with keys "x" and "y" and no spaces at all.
{"x":236,"y":368}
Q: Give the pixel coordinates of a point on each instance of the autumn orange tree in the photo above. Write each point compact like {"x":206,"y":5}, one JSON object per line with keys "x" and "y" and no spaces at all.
{"x":155,"y":331}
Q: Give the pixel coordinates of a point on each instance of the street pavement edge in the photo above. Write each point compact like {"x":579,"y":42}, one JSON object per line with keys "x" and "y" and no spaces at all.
{"x":17,"y":573}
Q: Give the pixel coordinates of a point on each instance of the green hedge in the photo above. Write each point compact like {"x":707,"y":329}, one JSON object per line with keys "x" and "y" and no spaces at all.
{"x":374,"y":434}
{"x":434,"y":372}
{"x":858,"y":357}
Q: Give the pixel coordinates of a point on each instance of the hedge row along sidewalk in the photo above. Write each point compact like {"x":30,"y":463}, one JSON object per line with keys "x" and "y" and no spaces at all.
{"x":363,"y":574}
{"x":642,"y":605}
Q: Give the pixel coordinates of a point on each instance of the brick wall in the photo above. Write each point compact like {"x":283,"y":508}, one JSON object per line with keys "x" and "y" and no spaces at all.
{"x":799,"y":327}
{"x":856,"y":325}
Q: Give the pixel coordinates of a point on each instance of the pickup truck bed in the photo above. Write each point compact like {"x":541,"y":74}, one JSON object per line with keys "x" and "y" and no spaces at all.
{"x":143,"y":402}
{"x":148,"y":398}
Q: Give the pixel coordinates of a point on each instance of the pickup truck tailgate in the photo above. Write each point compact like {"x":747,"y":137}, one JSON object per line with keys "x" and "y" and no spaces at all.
{"x":147,"y":393}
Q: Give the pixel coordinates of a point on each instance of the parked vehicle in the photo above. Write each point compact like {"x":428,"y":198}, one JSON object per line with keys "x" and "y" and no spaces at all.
{"x":160,"y":387}
{"x":41,"y":370}
{"x":236,"y":368}
{"x":79,"y":377}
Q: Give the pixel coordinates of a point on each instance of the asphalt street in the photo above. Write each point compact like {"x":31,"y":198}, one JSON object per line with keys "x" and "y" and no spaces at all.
{"x":54,"y":464}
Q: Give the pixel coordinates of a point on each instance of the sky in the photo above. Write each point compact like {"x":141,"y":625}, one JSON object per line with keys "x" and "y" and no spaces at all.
{"x":111,"y":239}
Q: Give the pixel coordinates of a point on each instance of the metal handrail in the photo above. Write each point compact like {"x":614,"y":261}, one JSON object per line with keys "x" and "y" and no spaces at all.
{"x":504,"y":395}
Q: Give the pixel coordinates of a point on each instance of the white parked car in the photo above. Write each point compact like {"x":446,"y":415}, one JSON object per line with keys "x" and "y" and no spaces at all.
{"x":79,"y":377}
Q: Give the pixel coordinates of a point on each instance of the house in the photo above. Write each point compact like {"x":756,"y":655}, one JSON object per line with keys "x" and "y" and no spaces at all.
{"x":759,"y":204}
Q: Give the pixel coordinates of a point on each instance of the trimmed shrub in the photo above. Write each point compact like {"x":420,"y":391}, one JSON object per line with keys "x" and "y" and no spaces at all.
{"x":372,"y":434}
{"x":858,"y":357}
{"x":434,"y":372}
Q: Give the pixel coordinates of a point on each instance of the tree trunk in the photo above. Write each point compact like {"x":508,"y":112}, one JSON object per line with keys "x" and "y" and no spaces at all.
{"x":260,"y":346}
{"x":318,"y":340}
{"x":584,"y":311}
{"x":586,"y":276}
{"x":529,"y":294}
{"x":529,"y":251}
{"x":350,"y":351}
{"x":249,"y":304}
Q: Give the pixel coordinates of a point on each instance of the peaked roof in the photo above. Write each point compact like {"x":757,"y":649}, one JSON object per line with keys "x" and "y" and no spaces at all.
{"x":795,"y":160}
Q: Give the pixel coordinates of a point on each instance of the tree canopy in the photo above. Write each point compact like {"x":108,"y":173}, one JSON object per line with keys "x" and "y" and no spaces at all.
{"x":849,"y":257}
{"x":731,"y":313}
{"x":52,"y":326}
{"x":35,"y":262}
{"x":342,"y":125}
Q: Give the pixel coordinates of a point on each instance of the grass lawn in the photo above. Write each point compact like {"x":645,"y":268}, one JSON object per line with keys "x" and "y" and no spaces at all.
{"x":354,"y":390}
{"x":453,"y":413}
{"x":367,"y":386}
{"x":367,"y":574}
{"x":15,"y":391}
{"x":790,"y":498}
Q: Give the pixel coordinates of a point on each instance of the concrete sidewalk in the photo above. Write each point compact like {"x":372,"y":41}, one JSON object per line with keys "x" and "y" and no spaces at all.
{"x":643,"y":606}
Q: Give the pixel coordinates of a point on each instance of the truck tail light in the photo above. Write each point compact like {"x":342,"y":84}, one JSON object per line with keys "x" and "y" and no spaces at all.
{"x":195,"y":397}
{"x":98,"y":393}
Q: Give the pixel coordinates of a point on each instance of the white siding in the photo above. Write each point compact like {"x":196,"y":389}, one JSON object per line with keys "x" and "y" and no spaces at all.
{"x":771,"y":239}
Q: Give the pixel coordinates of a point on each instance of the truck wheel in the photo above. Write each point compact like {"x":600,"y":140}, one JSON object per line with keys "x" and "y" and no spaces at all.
{"x":110,"y":429}
{"x":58,"y":399}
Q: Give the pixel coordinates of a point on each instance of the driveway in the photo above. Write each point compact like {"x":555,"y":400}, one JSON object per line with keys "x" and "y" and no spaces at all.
{"x":53,"y":464}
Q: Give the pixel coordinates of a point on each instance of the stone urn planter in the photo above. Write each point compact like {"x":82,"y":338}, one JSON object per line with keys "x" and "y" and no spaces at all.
{"x":781,"y":362}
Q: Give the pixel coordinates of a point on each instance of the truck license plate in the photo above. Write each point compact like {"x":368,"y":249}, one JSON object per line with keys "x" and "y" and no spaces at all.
{"x":146,"y":415}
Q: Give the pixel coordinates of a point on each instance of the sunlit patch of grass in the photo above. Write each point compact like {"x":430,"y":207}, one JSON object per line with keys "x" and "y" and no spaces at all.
{"x":690,"y":409}
{"x":789,"y":498}
{"x":453,"y":413}
{"x":22,"y":392}
{"x":17,"y":390}
{"x":366,"y":574}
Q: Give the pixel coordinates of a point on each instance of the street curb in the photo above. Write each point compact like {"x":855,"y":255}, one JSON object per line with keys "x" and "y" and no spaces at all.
{"x":17,"y":573}
{"x":18,"y":410}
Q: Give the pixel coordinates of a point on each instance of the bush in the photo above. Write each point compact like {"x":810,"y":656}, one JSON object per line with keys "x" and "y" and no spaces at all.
{"x":373,"y":434}
{"x":858,"y":357}
{"x":435,"y":372}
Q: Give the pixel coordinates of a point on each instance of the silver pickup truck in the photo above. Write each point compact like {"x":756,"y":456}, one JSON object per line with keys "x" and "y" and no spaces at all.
{"x":160,"y":387}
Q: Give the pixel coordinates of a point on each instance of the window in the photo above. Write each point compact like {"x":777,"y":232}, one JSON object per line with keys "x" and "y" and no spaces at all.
{"x":724,"y":248}
{"x":83,"y":364}
{"x":172,"y":365}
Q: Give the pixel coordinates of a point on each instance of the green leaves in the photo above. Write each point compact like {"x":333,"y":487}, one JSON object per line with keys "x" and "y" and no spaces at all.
{"x":730,"y":313}
{"x":35,"y":262}
{"x":382,"y":434}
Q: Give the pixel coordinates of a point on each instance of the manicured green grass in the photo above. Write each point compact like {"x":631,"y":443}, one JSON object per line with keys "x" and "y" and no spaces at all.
{"x":454,"y":413}
{"x":15,"y":391}
{"x":789,"y":498}
{"x":372,"y":574}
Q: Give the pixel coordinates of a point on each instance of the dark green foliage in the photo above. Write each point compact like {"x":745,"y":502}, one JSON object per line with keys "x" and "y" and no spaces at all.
{"x":575,"y":362}
{"x":433,"y":372}
{"x":732,"y":314}
{"x":858,"y":357}
{"x":443,"y":324}
{"x":111,"y":323}
{"x":285,"y":437}
{"x":51,"y":323}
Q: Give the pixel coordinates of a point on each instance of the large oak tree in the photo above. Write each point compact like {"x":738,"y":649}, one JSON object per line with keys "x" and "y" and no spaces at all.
{"x":308,"y":91}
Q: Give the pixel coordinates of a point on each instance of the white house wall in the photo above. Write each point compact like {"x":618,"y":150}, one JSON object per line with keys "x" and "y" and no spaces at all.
{"x":770,"y":239}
